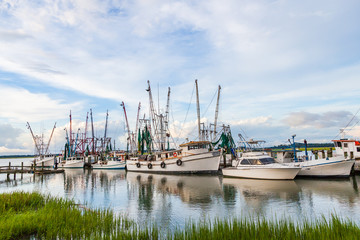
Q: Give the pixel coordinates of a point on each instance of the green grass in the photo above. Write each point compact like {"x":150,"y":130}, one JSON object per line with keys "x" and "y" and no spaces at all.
{"x":32,"y":215}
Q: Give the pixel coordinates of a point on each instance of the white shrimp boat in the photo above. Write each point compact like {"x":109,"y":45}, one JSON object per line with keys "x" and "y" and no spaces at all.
{"x":46,"y":161}
{"x":192,"y":157}
{"x":259,"y":165}
{"x":42,"y":157}
{"x":72,"y":162}
{"x":109,"y":164}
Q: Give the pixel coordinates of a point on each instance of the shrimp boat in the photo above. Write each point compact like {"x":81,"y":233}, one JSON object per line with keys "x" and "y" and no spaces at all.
{"x":113,"y":161}
{"x":42,"y":157}
{"x":190,"y":157}
{"x":259,"y":165}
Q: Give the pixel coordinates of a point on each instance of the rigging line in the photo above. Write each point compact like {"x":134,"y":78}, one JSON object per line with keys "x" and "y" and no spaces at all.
{"x":173,"y":120}
{"x":209,"y":103}
{"x":182,"y":125}
{"x":206,"y":110}
{"x":348,"y":123}
{"x":354,"y":125}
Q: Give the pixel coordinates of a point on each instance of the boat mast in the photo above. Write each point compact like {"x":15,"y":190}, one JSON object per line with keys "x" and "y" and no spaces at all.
{"x":153,"y":114}
{"x":92,"y":132}
{"x":167,"y":115}
{"x":137,"y":125}
{"x":216,"y":113}
{"x":71,"y":143}
{"x":47,"y":147}
{"x":106,"y":124}
{"x":34,"y":138}
{"x":198,"y":109}
{"x":86,"y":127}
{"x":127,"y":126}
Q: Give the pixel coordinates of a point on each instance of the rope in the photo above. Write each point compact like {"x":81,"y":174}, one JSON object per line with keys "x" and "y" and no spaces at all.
{"x":349,"y":123}
{"x":182,"y":125}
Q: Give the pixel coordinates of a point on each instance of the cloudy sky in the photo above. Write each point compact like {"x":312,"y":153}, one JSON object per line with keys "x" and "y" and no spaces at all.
{"x":285,"y":67}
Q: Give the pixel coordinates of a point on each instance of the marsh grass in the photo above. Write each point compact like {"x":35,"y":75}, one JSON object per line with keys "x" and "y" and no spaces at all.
{"x":32,"y":215}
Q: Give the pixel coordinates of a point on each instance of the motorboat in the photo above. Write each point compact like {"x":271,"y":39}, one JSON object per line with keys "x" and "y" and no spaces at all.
{"x":259,"y":165}
{"x":323,"y":164}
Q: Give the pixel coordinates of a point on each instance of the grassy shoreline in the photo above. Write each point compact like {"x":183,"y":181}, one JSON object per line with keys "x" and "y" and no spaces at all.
{"x":33,"y":215}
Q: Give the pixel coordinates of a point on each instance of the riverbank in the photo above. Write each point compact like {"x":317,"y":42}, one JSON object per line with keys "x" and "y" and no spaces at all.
{"x":27,"y":215}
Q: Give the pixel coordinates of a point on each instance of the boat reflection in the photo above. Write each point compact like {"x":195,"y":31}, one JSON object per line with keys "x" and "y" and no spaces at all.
{"x":190,"y":189}
{"x":259,"y":193}
{"x":343,"y":190}
{"x":82,"y":179}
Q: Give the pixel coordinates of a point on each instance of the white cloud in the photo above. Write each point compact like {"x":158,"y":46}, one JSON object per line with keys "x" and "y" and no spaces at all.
{"x":318,"y":120}
{"x":20,"y":105}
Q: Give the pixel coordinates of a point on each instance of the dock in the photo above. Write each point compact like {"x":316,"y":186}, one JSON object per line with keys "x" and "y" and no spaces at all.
{"x":13,"y":169}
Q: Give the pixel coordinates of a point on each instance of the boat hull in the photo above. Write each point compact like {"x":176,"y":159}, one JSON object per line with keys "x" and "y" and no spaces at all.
{"x":48,"y":162}
{"x":109,"y":165}
{"x":284,"y":173}
{"x":198,"y":163}
{"x":72,"y":164}
{"x":334,"y":167}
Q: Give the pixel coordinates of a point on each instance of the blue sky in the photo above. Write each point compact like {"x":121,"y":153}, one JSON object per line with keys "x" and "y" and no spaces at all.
{"x":285,"y":67}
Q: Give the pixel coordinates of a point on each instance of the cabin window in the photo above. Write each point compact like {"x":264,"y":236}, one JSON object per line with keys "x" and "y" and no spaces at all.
{"x":255,"y":162}
{"x":245,"y":162}
{"x":267,"y":160}
{"x":171,"y":154}
{"x":358,"y":149}
{"x":338,"y":144}
{"x":159,"y":155}
{"x":345,"y":145}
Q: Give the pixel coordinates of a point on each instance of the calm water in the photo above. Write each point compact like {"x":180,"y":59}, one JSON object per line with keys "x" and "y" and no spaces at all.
{"x":171,"y":200}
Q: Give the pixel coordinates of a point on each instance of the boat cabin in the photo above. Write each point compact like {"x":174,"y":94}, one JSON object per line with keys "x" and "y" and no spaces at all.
{"x":349,"y":148}
{"x":195,"y":147}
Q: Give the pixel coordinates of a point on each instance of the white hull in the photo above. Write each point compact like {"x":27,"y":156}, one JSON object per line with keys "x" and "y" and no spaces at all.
{"x":47,"y":161}
{"x":261,"y":172}
{"x":109,"y":165}
{"x":71,"y":164}
{"x":203,"y":162}
{"x":334,"y":167}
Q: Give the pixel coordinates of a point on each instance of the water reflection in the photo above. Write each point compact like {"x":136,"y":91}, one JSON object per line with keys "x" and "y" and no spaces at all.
{"x":170,"y":200}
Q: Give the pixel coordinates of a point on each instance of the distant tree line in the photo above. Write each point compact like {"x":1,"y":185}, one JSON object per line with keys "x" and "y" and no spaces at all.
{"x":16,"y":156}
{"x":302,"y":145}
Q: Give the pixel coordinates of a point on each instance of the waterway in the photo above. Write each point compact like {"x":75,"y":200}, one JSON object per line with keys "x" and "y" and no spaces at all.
{"x":171,"y":201}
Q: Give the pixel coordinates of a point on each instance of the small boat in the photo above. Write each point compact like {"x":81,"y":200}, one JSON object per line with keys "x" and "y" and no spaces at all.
{"x":259,"y":165}
{"x":116,"y":162}
{"x":47,"y":161}
{"x":72,"y":162}
{"x":42,"y":157}
{"x":323,"y":164}
{"x":337,"y":166}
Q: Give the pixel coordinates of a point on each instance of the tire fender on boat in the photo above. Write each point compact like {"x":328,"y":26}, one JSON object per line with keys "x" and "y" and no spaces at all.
{"x":162,"y":164}
{"x":179,"y":162}
{"x":149,"y":166}
{"x":138,"y":165}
